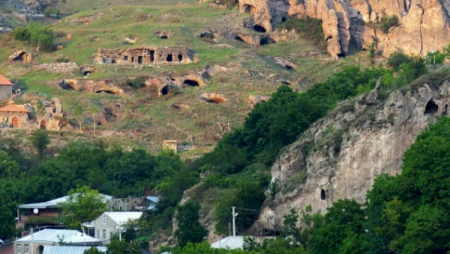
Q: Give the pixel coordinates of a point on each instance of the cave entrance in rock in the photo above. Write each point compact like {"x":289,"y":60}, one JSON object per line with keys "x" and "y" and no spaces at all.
{"x":169,"y":58}
{"x":43,"y":125}
{"x":238,"y":38}
{"x":323,"y":195}
{"x":180,"y":57}
{"x":216,"y":100}
{"x":152,"y":56}
{"x":266,"y":40}
{"x":259,"y":29}
{"x":190,"y":82}
{"x":125,"y":58}
{"x":105,"y":91}
{"x":140,"y":59}
{"x":431,"y":108}
{"x":249,"y":9}
{"x":132,"y":59}
{"x":164,"y":37}
{"x":165,"y":90}
{"x":21,"y":57}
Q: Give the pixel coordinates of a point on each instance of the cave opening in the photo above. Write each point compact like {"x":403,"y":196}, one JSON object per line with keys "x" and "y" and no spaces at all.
{"x":165,"y":90}
{"x":105,"y":91}
{"x":169,"y":58}
{"x":431,"y":108}
{"x":323,"y":195}
{"x":180,"y":57}
{"x":164,"y":37}
{"x":266,"y":40}
{"x":190,"y":82}
{"x":259,"y":29}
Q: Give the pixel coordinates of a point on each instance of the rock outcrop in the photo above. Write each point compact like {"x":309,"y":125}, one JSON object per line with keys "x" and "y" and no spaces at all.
{"x":349,"y":25}
{"x":93,"y":86}
{"x":341,"y":155}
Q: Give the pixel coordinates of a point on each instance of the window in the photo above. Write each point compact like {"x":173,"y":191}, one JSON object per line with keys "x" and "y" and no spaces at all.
{"x":104,"y":234}
{"x":104,"y":219}
{"x":26,"y":249}
{"x":19,"y":249}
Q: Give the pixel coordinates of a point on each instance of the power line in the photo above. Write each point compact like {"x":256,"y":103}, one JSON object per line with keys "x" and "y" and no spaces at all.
{"x":246,"y":209}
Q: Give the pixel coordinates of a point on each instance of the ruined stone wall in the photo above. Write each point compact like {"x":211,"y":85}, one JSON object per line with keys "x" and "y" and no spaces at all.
{"x":146,"y":56}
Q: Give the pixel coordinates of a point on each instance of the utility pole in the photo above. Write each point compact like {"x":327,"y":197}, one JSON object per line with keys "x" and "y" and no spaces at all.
{"x":233,"y":214}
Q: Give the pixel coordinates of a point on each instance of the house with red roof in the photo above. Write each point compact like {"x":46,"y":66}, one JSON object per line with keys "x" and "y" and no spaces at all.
{"x":5,"y":88}
{"x":14,"y":116}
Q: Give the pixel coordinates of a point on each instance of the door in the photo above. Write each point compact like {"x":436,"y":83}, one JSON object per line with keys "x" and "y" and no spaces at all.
{"x":15,"y":122}
{"x":43,"y":125}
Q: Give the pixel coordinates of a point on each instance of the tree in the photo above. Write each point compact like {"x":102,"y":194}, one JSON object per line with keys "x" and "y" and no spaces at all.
{"x":189,"y":228}
{"x":122,"y":247}
{"x":40,"y":140}
{"x":92,"y":250}
{"x":82,"y":205}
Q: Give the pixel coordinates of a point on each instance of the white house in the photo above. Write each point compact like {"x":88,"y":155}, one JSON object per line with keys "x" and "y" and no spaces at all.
{"x":230,"y":242}
{"x":37,"y":242}
{"x":110,"y":223}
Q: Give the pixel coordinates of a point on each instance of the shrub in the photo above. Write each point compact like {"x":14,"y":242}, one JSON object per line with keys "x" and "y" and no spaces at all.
{"x":387,"y":22}
{"x":397,"y":59}
{"x":136,"y":83}
{"x":36,"y":35}
{"x":309,"y":28}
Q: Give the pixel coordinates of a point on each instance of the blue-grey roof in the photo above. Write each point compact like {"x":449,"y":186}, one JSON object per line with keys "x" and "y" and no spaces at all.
{"x":70,"y":249}
{"x":52,"y":203}
{"x":153,"y":198}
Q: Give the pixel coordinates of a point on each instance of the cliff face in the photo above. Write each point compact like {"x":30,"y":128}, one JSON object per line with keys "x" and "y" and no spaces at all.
{"x":424,"y":24}
{"x":341,"y":155}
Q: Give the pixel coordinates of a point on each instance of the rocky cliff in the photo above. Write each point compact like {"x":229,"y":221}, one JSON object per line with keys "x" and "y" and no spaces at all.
{"x":341,"y":155}
{"x":349,"y":25}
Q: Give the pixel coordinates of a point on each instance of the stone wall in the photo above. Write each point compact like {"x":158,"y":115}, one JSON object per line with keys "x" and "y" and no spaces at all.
{"x":146,"y":56}
{"x":6,"y":119}
{"x":5,"y":92}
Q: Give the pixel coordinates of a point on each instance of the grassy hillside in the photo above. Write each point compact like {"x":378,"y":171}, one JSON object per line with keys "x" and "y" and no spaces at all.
{"x":145,"y":118}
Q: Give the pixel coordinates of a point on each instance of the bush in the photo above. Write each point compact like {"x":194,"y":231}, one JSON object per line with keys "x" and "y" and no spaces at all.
{"x":397,"y":59}
{"x":136,"y":83}
{"x":309,"y":28}
{"x":36,"y":35}
{"x":387,"y":22}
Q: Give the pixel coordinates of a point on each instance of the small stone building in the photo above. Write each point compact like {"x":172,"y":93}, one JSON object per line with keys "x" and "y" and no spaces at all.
{"x":146,"y":56}
{"x":170,"y":145}
{"x":13,"y":116}
{"x":5,"y":88}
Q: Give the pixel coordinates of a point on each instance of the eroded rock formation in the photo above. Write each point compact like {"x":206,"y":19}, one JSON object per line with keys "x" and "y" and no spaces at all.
{"x":146,"y":56}
{"x":341,"y":155}
{"x":21,"y":56}
{"x":347,"y":25}
{"x":94,"y":86}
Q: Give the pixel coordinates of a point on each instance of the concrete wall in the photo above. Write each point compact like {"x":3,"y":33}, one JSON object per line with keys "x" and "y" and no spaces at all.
{"x":5,"y":92}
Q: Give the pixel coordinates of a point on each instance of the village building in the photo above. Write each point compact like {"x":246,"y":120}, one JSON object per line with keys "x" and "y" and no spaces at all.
{"x":170,"y":145}
{"x":13,"y":116}
{"x":38,"y":241}
{"x":111,"y":223}
{"x":5,"y":88}
{"x":72,"y":249}
{"x":42,"y":214}
{"x":146,"y":56}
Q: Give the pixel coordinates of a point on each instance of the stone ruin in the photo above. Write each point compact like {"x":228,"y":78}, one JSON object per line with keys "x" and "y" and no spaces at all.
{"x":146,"y":56}
{"x":53,"y":113}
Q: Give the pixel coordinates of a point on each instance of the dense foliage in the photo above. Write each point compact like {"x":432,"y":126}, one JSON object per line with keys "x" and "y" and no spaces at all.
{"x":189,"y":228}
{"x":37,"y":35}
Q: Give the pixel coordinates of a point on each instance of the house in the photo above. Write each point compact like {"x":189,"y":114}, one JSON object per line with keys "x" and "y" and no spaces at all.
{"x":13,"y":116}
{"x":231,"y":242}
{"x":5,"y":88}
{"x":38,"y":241}
{"x":151,"y":202}
{"x":110,"y":223}
{"x":71,"y":249}
{"x":42,"y":214}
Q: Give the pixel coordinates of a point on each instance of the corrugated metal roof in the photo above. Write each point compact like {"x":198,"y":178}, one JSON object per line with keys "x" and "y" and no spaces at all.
{"x":57,"y":235}
{"x":153,"y":198}
{"x":123,"y":217}
{"x":231,"y":242}
{"x":70,"y":249}
{"x":52,"y":203}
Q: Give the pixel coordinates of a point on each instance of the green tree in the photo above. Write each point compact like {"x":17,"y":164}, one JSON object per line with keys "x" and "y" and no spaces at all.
{"x":40,"y":140}
{"x":82,"y":205}
{"x":122,"y":247}
{"x":92,"y":250}
{"x":189,"y":228}
{"x":290,"y":228}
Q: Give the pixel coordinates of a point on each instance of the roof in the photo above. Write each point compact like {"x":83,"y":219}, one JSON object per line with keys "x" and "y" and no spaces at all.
{"x":12,"y":107}
{"x":4,"y":81}
{"x":52,"y":203}
{"x":123,"y":217}
{"x":154,"y":199}
{"x":70,"y":249}
{"x":57,"y":235}
{"x":231,"y":242}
